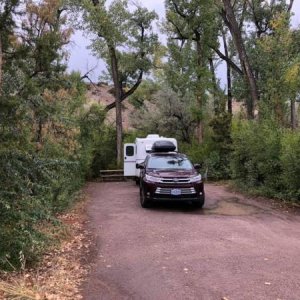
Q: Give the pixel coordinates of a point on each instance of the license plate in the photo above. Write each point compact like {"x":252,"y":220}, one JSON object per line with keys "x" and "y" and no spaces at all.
{"x":175,"y":192}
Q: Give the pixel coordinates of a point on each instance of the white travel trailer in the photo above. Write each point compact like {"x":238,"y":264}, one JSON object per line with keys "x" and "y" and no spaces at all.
{"x":137,"y":152}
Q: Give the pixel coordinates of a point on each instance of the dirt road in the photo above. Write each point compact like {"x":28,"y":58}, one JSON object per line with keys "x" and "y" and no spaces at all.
{"x":233,"y":249}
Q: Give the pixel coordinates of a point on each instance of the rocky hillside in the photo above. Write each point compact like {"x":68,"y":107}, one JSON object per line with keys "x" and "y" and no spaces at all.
{"x":103,"y":94}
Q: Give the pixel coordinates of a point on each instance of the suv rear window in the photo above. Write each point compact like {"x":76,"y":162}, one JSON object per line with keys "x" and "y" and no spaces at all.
{"x":169,"y":162}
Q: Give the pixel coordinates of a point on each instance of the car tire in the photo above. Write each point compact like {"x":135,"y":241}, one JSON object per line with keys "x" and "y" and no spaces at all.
{"x":199,"y":203}
{"x":145,"y":203}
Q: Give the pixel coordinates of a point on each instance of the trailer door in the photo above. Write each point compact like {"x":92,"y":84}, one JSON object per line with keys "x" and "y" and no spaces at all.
{"x":129,"y":159}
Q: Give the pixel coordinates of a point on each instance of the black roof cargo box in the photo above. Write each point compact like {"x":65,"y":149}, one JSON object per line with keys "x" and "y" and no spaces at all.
{"x":163,"y":146}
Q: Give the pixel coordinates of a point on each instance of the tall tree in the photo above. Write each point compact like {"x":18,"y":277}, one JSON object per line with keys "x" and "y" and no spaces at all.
{"x":195,"y":21}
{"x":39,"y":104}
{"x":126,"y":42}
{"x":229,"y":18}
{"x":168,"y":113}
{"x":44,"y":33}
{"x":280,"y":70}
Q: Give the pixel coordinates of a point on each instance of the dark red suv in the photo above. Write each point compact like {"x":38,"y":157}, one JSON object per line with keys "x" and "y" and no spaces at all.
{"x":170,"y":176}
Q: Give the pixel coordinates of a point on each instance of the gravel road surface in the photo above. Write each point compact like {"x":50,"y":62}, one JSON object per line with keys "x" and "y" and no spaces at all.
{"x":233,"y":249}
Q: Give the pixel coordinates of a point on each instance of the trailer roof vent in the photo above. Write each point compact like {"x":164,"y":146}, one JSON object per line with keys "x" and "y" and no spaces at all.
{"x":163,"y":146}
{"x":152,"y":136}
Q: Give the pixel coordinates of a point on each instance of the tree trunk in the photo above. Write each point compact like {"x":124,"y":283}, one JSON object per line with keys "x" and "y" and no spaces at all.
{"x":229,"y":85}
{"x":199,"y":132}
{"x":293,"y":115}
{"x":1,"y":63}
{"x":200,"y":93}
{"x":231,"y":22}
{"x":118,"y":95}
{"x":215,"y":86}
{"x":229,"y":90}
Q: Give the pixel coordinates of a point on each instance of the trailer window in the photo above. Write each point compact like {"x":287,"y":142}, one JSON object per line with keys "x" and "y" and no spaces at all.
{"x":130,"y":151}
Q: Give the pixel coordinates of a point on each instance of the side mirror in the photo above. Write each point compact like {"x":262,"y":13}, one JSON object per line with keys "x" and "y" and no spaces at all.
{"x":197,"y":166}
{"x":139,"y":166}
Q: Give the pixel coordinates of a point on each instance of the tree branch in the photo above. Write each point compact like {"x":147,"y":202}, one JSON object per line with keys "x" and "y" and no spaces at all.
{"x":228,"y":60}
{"x":224,"y":17}
{"x":243,"y":14}
{"x":181,"y":35}
{"x":180,"y":13}
{"x":134,"y":87}
{"x":290,"y":6}
{"x":257,"y":22}
{"x":128,"y":93}
{"x":86,"y":76}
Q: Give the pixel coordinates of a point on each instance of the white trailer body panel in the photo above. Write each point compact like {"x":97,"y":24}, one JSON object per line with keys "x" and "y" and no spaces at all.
{"x":142,"y":147}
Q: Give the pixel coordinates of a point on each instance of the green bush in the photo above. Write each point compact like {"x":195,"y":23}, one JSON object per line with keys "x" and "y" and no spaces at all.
{"x":266,"y":159}
{"x":214,"y":153}
{"x":33,"y":190}
{"x":43,"y":163}
{"x":213,"y":164}
{"x":256,"y":156}
{"x":99,"y":142}
{"x":290,"y":163}
{"x":105,"y":152}
{"x":19,"y":209}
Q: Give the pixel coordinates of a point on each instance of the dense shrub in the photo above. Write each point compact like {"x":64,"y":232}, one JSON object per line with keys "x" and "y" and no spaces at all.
{"x":36,"y":184}
{"x":266,"y":159}
{"x":214,"y":153}
{"x":49,"y":136}
{"x":209,"y":157}
{"x":46,"y":151}
{"x":32,"y":190}
{"x":256,"y":154}
{"x":104,"y":153}
{"x":99,"y":142}
{"x":290,"y":163}
{"x":219,"y":158}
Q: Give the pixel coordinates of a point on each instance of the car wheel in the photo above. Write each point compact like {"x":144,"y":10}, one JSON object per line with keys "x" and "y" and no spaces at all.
{"x":145,"y":203}
{"x":199,"y":203}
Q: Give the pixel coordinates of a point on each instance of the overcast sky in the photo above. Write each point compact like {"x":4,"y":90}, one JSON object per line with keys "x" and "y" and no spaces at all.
{"x":82,"y":60}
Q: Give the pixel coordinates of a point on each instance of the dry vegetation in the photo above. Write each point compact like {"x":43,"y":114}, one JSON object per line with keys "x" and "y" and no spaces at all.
{"x":62,"y":269}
